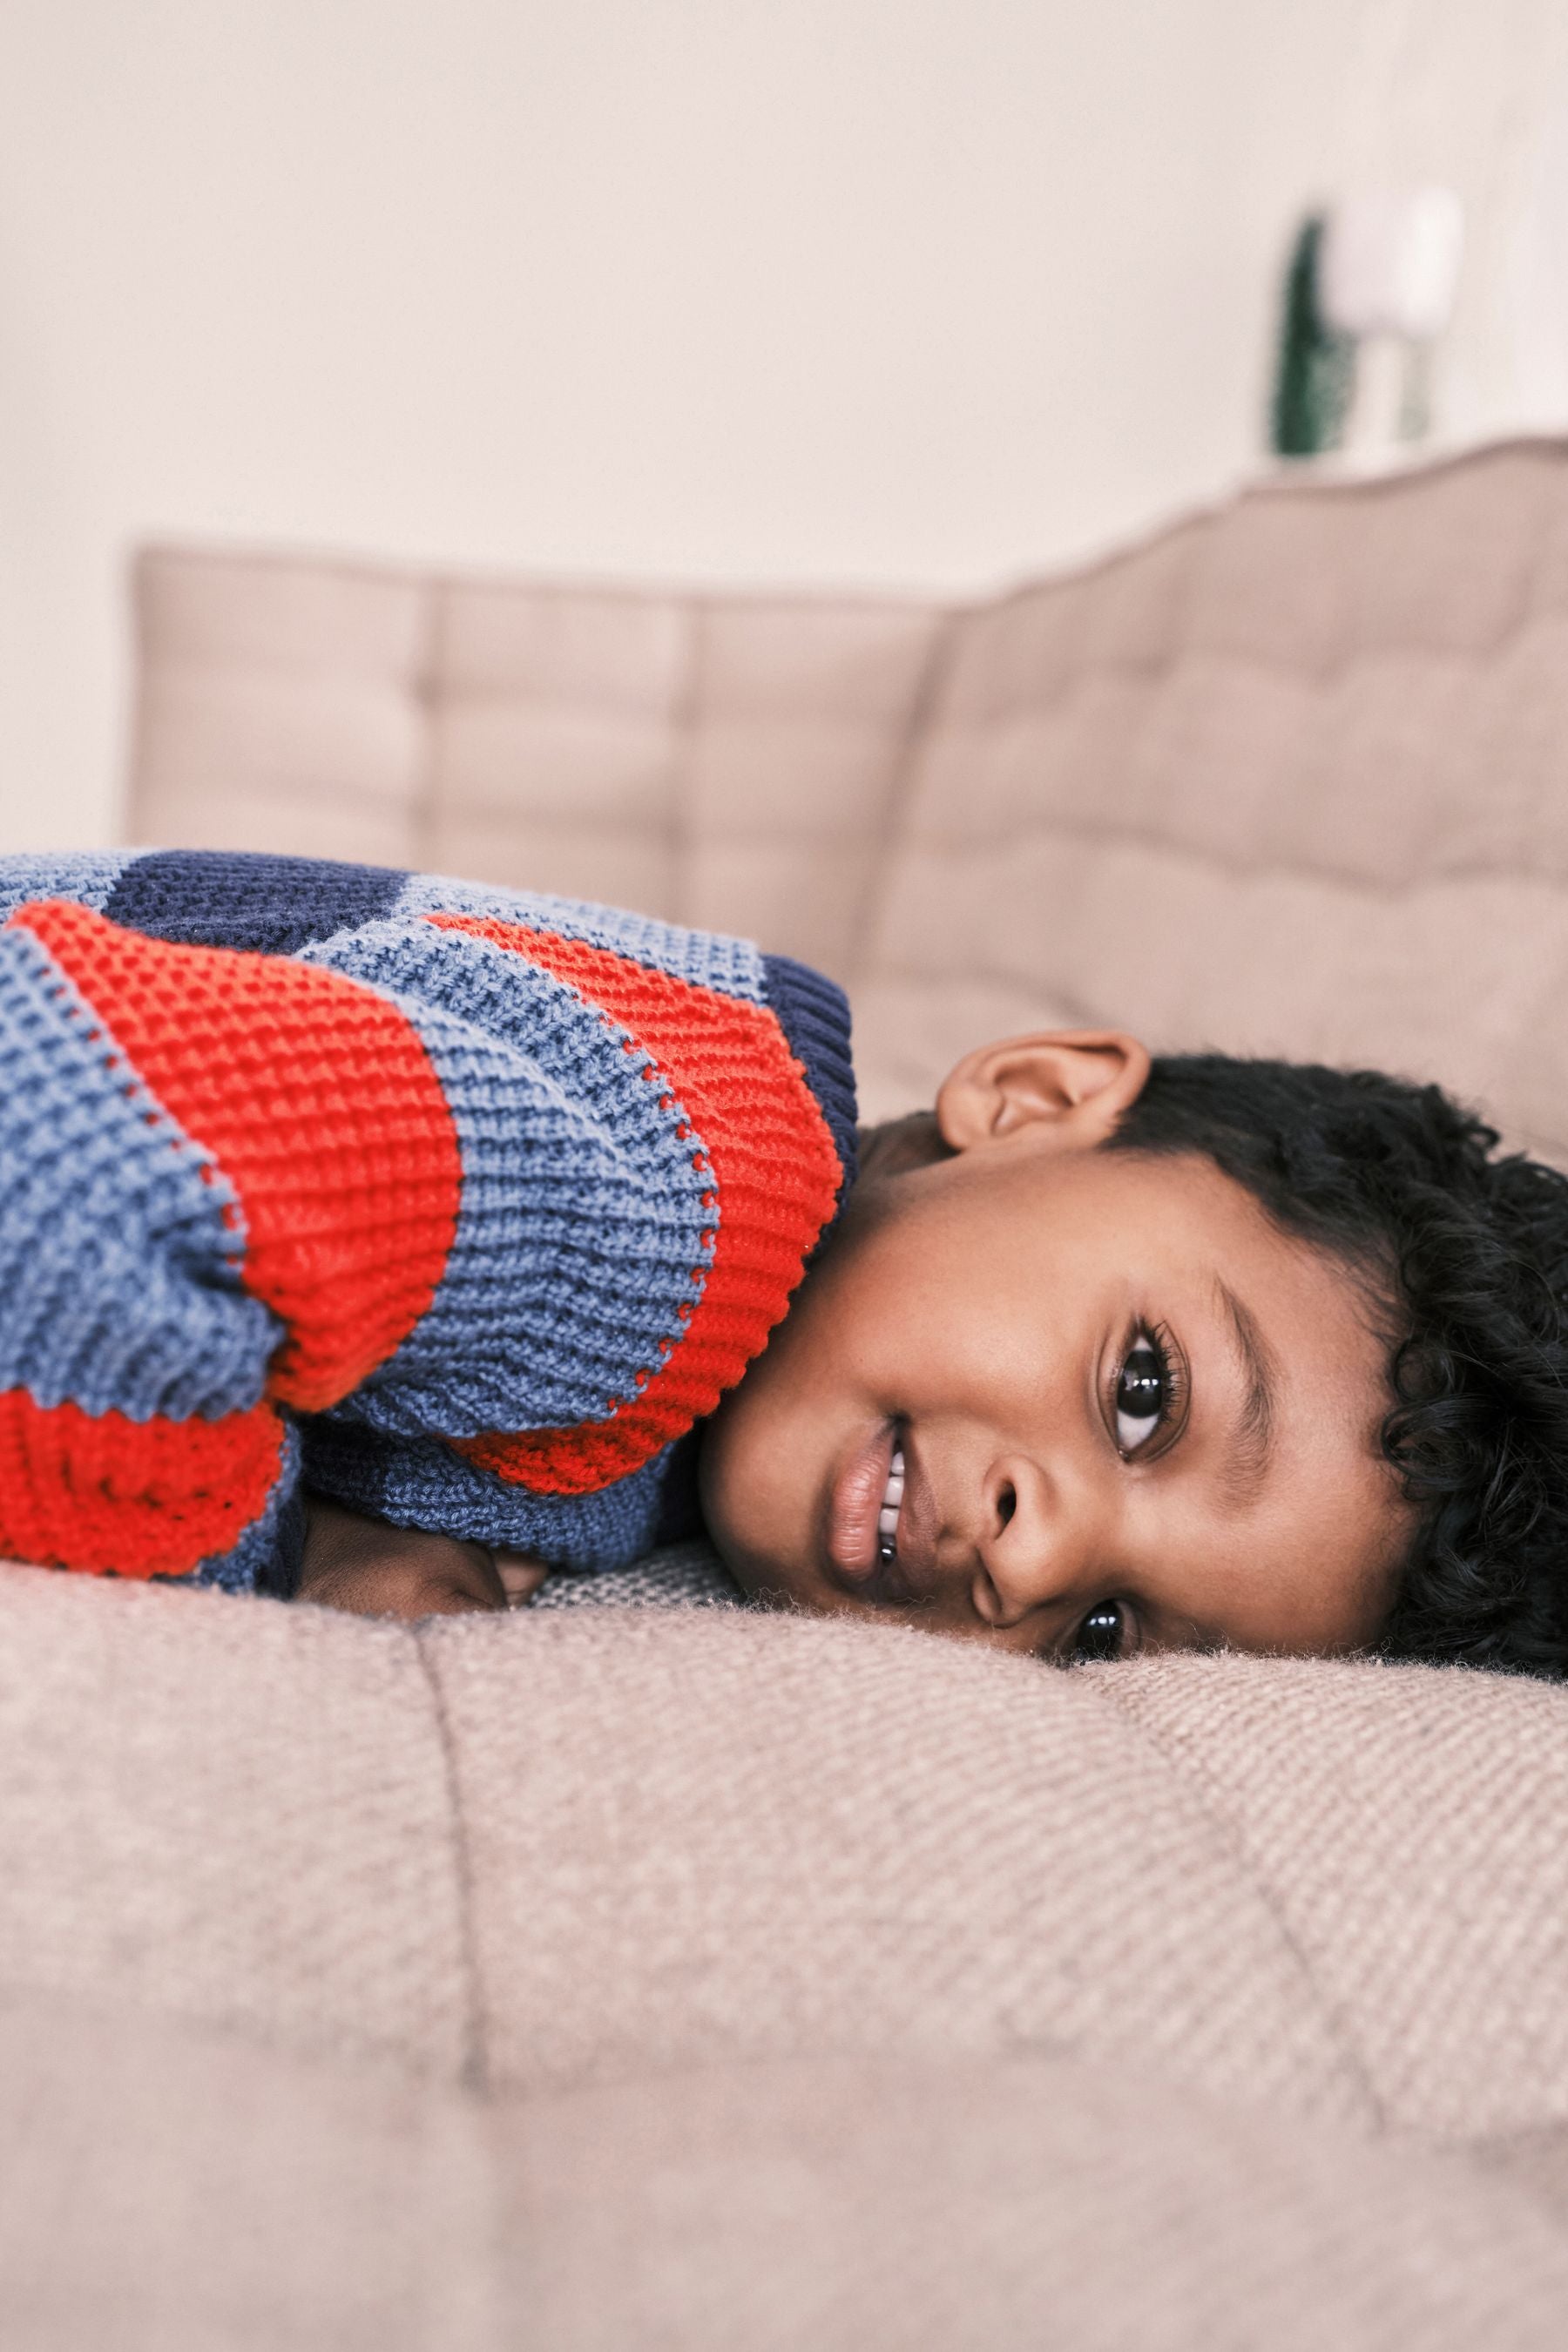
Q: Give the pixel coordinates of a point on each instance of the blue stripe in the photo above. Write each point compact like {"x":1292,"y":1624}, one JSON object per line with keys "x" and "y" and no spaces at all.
{"x":420,"y":1483}
{"x":88,"y":877}
{"x":706,"y":958}
{"x":581,"y":1216}
{"x":119,"y":1277}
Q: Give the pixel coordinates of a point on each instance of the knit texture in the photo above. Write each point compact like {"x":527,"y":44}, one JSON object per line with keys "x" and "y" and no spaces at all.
{"x":739,"y":1094}
{"x":489,"y":1196}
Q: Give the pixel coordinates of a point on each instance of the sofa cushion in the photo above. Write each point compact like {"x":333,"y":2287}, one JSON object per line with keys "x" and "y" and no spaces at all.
{"x":171,"y":2190}
{"x":582,"y":1844}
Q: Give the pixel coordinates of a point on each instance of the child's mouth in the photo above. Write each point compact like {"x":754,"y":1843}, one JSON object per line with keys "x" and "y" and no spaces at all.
{"x":871,"y":1551}
{"x":863,"y":1506}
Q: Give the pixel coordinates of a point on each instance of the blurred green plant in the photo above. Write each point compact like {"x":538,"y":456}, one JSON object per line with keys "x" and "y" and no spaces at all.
{"x":1316,"y":375}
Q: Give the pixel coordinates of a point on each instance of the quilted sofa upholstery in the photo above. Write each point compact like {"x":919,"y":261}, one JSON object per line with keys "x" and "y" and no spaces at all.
{"x":1289,"y":774}
{"x":619,"y":1976}
{"x":690,"y":1977}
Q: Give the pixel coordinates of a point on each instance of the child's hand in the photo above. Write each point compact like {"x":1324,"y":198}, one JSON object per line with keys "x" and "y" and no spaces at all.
{"x":377,"y":1571}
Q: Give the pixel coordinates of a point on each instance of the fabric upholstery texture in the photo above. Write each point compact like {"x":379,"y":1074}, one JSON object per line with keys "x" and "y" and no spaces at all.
{"x":1286,"y":776}
{"x":493,"y":730}
{"x":185,"y":2193}
{"x":580,"y":1844}
{"x":693,"y":1977}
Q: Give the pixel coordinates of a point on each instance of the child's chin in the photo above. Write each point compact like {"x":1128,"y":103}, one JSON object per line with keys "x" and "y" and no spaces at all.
{"x":768,"y":1583}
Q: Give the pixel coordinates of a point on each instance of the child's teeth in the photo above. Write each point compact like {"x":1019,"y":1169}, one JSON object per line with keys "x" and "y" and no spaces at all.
{"x":892,"y":1498}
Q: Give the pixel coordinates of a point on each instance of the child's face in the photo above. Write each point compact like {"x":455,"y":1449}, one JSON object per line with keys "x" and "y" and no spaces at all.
{"x":1131,"y":1415}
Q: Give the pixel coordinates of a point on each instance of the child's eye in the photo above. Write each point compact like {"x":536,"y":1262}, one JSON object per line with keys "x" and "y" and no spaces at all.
{"x":1145,"y":1392}
{"x":1100,"y":1635}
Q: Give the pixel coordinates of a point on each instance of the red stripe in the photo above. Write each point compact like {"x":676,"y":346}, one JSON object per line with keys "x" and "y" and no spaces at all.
{"x":322,"y":1108}
{"x":136,"y":1498}
{"x":775,"y":1172}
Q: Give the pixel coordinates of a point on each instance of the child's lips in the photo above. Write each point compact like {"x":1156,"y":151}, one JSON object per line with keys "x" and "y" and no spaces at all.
{"x":854,"y":1502}
{"x":852,"y":1547}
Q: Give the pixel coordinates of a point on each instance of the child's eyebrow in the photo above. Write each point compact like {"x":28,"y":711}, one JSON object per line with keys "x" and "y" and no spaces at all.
{"x":1248,"y":1460}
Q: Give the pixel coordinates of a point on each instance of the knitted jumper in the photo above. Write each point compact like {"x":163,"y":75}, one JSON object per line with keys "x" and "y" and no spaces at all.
{"x":460,"y":1204}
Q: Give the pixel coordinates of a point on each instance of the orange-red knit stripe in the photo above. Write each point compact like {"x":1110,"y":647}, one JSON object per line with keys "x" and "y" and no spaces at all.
{"x":140,"y":1498}
{"x":322,"y":1108}
{"x":774,"y":1170}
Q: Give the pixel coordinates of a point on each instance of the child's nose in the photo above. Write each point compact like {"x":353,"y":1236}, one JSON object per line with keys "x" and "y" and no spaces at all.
{"x":1035,"y":1542}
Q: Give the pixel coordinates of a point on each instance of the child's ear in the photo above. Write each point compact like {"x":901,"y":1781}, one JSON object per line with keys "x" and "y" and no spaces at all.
{"x":1063,"y":1090}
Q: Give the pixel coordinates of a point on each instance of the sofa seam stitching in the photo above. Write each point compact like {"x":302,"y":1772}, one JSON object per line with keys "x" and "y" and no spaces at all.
{"x":1194,"y":1777}
{"x":474,"y":2069}
{"x":1084,"y":833}
{"x":424,"y":689}
{"x":888,"y":830}
{"x":685,"y":726}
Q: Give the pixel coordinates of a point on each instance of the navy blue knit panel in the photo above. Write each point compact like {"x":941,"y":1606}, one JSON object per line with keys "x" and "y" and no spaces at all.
{"x":237,"y":899}
{"x":813,"y":1013}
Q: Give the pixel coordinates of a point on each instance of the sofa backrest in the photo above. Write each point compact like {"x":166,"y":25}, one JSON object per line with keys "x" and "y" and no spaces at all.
{"x":1290,"y":775}
{"x":724,"y":762}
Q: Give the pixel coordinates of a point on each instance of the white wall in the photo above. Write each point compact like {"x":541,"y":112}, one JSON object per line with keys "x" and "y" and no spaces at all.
{"x":905,"y":291}
{"x":1474,"y":93}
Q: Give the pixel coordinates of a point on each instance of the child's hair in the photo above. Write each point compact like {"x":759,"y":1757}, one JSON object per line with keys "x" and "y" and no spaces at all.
{"x":1465,"y":1254}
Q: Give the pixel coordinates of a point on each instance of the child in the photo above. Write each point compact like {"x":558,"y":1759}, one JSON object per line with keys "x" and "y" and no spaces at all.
{"x":456,"y":1211}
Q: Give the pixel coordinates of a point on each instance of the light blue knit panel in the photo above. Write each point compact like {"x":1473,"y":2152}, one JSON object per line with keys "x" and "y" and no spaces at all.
{"x":581,"y":1222}
{"x":85,"y":875}
{"x":706,"y":958}
{"x":118,"y":1270}
{"x":420,"y":1483}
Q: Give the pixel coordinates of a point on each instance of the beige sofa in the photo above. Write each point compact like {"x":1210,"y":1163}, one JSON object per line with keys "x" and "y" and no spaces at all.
{"x":640,"y":1977}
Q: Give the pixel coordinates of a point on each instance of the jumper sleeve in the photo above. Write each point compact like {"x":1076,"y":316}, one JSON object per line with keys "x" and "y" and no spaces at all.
{"x":486,"y":1209}
{"x":231,"y":1183}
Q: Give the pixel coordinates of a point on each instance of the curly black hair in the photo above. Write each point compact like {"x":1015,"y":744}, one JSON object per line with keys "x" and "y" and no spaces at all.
{"x":1466,"y":1252}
